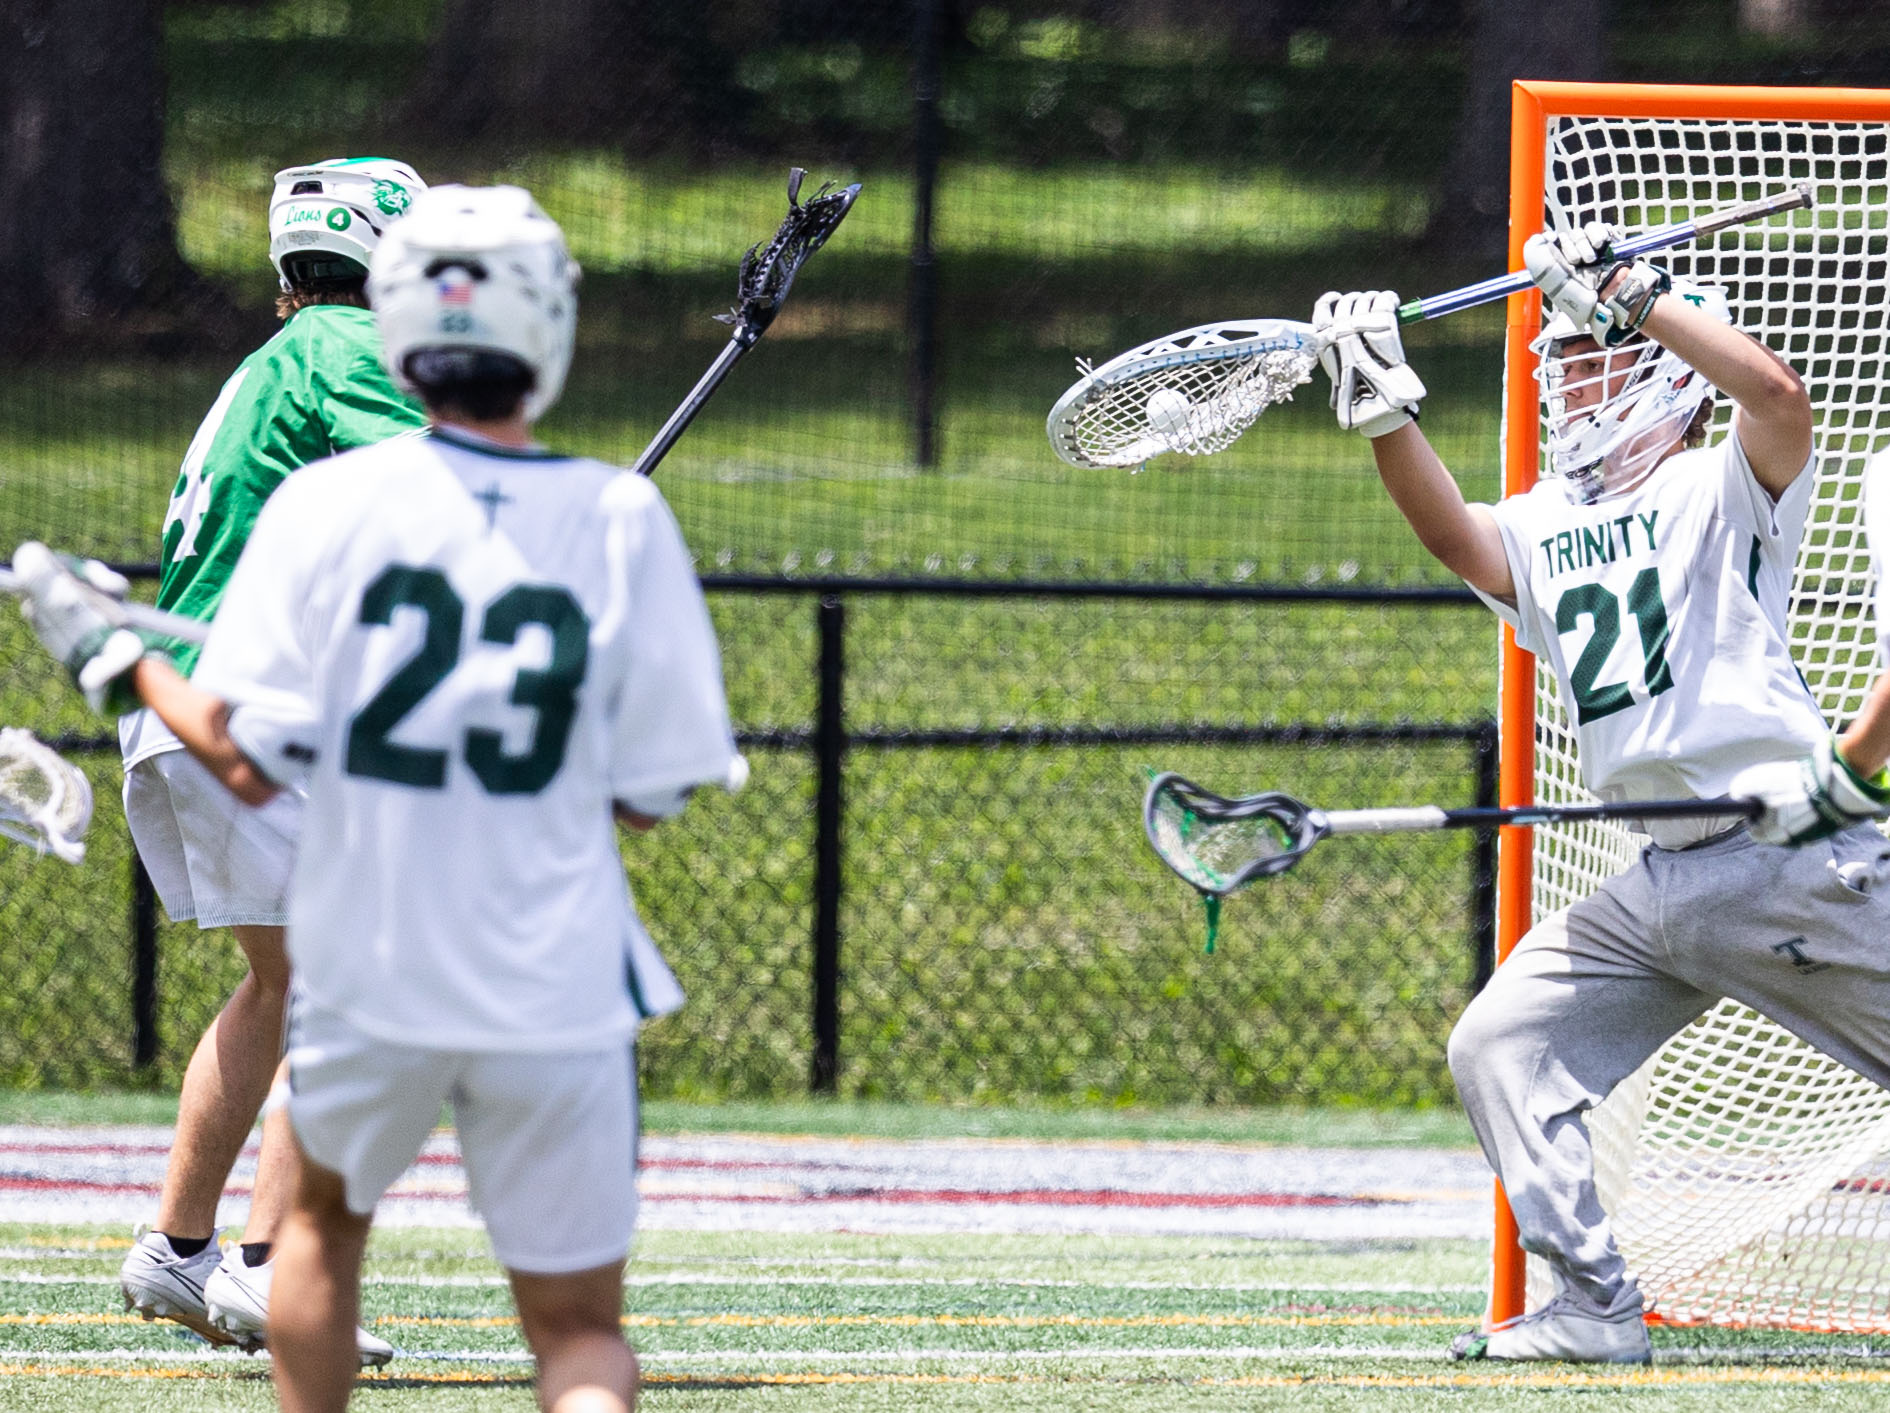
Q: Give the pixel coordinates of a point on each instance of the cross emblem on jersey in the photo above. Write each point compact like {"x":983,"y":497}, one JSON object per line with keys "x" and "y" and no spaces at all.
{"x":492,"y":498}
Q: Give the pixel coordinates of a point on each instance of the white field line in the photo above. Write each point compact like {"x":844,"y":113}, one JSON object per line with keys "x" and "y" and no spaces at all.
{"x":663,"y":1360}
{"x":653,"y":1358}
{"x":849,"y":1282}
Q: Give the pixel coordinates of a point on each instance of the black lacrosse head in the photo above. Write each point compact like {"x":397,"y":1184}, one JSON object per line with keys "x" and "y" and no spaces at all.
{"x":1220,"y":845}
{"x":768,"y":271}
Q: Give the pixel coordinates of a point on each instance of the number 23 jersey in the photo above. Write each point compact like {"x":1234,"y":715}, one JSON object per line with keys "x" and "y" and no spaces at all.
{"x":1662,"y":614}
{"x":470,"y":653}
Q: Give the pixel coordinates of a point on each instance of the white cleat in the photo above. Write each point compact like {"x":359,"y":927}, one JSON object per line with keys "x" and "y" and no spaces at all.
{"x":237,"y":1298}
{"x":1562,"y":1329}
{"x":161,"y":1285}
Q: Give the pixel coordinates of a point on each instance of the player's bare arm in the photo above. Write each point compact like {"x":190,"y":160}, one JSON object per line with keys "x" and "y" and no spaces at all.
{"x":1461,"y":535}
{"x":85,"y":629}
{"x":202,"y":722}
{"x":1773,"y":423}
{"x":1866,"y":746}
{"x":1375,"y":393}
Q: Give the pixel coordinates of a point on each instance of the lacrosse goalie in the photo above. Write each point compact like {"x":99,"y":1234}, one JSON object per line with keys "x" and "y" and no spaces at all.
{"x":472,"y":652}
{"x":316,"y":388}
{"x":1650,"y":571}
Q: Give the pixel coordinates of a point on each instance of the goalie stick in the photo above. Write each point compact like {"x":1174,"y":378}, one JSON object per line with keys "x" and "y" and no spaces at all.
{"x":143,"y":617}
{"x":1196,"y":391}
{"x":767,"y":274}
{"x":1220,"y":845}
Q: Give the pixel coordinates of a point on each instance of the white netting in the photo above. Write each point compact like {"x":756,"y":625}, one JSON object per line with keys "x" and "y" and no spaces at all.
{"x":1748,"y":1175}
{"x":44,"y":800}
{"x":1193,"y":392}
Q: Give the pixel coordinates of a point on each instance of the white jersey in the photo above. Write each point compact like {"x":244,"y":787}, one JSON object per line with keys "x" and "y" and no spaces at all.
{"x":468,"y":654}
{"x":1662,"y":614}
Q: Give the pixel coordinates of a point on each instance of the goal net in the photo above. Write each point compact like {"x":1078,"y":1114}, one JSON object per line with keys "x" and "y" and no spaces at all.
{"x":1748,"y":1176}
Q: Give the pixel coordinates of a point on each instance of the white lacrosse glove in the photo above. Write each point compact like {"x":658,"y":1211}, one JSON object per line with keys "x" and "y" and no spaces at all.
{"x":1810,"y":799}
{"x":81,"y":625}
{"x":1572,"y":268}
{"x":1374,"y":391}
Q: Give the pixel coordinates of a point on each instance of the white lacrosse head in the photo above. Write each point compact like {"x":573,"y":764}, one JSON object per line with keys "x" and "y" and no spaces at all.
{"x":1615,"y":414}
{"x":1192,"y":392}
{"x":325,"y":220}
{"x":44,"y":800}
{"x":478,"y":268}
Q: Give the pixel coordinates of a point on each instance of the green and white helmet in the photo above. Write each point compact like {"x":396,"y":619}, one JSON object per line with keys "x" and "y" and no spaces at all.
{"x":326,"y":219}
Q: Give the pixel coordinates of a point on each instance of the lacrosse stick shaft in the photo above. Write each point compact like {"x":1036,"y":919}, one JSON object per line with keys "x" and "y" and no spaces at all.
{"x":680,"y":419}
{"x":138,"y":615}
{"x":1502,"y":286}
{"x":1427,"y":817}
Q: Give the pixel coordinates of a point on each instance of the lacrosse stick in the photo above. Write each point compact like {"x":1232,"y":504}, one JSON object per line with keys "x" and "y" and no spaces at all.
{"x":1197,"y":390}
{"x":767,"y":274}
{"x":143,"y":617}
{"x":1220,"y":845}
{"x":44,"y":800}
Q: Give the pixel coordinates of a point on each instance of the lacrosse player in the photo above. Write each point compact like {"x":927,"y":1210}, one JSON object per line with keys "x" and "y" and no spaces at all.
{"x":473,"y":651}
{"x":1650,"y":571}
{"x":316,"y":388}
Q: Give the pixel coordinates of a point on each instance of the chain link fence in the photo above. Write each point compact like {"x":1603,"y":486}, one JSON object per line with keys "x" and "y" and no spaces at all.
{"x":935,"y":885}
{"x":951,"y":656}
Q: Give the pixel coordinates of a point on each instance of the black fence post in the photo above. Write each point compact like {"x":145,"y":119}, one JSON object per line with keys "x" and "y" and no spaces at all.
{"x":922,"y":297}
{"x":830,"y":747}
{"x":144,"y":967}
{"x":1483,"y":863}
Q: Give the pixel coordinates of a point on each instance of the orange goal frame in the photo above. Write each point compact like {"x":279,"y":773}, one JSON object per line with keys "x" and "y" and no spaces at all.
{"x":1533,"y":104}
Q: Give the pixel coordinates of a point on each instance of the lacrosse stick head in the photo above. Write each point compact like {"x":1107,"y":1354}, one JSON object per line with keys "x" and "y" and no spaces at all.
{"x":1192,"y":392}
{"x":768,"y":271}
{"x":44,"y":800}
{"x":1220,"y":845}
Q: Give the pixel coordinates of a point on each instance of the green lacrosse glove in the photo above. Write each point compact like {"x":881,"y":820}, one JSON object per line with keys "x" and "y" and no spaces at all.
{"x":80,"y":625}
{"x":1810,"y":799}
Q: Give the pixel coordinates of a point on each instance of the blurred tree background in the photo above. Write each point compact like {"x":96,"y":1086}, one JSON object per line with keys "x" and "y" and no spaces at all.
{"x":1044,"y":179}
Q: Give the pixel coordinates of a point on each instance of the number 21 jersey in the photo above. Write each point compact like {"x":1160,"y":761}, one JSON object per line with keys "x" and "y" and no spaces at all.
{"x":1662,"y":614}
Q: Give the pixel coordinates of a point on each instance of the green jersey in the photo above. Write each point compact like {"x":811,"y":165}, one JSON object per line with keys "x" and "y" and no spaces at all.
{"x":317,"y":388}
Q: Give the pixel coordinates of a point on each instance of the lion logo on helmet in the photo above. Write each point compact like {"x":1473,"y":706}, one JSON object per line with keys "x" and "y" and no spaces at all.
{"x":391,"y":198}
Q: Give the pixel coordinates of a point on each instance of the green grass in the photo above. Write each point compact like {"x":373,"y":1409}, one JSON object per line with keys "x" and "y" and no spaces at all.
{"x":1297,"y":1127}
{"x":738,"y":1321}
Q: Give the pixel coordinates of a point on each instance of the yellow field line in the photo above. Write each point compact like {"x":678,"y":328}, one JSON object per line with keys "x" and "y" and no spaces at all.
{"x":1618,"y":1377}
{"x":1011,"y":1322}
{"x":794,"y":1322}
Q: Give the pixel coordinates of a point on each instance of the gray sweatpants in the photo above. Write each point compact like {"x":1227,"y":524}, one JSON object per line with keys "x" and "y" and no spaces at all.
{"x":1801,"y":935}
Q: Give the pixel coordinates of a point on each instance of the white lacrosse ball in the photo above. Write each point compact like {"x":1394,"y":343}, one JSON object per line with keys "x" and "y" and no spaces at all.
{"x":1169,"y":413}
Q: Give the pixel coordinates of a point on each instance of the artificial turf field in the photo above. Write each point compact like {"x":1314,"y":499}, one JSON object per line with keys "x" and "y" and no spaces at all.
{"x":788,"y":1320}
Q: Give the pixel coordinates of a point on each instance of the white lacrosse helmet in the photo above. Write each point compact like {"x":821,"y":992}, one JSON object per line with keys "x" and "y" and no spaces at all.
{"x":325,"y":220}
{"x":480,"y":269}
{"x":1615,"y":414}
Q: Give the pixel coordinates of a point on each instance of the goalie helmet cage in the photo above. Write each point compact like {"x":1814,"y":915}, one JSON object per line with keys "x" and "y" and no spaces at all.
{"x":1748,"y":1176}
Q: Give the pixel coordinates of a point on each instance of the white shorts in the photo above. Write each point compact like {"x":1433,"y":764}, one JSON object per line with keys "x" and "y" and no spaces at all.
{"x":210,"y":856}
{"x":549,"y":1140}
